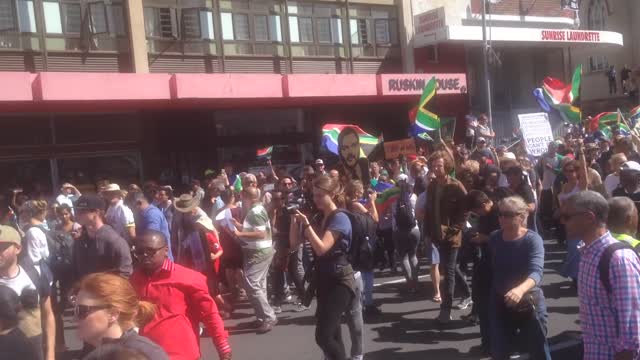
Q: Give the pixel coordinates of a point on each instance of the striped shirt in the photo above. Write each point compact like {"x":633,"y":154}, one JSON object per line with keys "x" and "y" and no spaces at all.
{"x":610,"y":322}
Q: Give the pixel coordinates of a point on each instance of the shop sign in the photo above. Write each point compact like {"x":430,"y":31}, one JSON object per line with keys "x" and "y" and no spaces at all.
{"x":393,"y":149}
{"x":573,"y":5}
{"x":536,"y":131}
{"x":413,"y":84}
{"x":570,"y":35}
{"x":429,"y":22}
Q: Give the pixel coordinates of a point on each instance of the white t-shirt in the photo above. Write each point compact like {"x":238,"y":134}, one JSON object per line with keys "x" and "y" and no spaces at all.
{"x":37,"y":246}
{"x":120,"y":217}
{"x":611,"y":182}
{"x":30,"y":320}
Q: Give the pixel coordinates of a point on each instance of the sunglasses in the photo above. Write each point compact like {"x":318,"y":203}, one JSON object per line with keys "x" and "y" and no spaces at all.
{"x":508,"y":214}
{"x":5,"y":245}
{"x":81,"y":312}
{"x":146,"y":252}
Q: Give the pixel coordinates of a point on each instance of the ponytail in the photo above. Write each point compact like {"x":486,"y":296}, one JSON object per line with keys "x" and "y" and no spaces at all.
{"x":146,"y":311}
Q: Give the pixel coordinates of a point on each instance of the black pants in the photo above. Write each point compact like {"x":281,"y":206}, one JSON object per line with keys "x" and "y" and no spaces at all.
{"x":481,"y":292}
{"x":385,"y":238}
{"x":332,"y":303}
{"x":613,"y":86}
{"x":452,"y":277}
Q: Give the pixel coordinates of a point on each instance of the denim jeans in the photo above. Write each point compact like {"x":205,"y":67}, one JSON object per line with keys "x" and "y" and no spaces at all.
{"x":354,"y":319}
{"x":452,"y":276}
{"x":367,"y":279}
{"x":256,"y":269}
{"x":503,"y":328}
{"x":407,"y":246}
{"x":295,"y":271}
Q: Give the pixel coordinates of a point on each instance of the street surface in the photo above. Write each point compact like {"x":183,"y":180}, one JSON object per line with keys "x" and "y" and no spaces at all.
{"x":406,"y":331}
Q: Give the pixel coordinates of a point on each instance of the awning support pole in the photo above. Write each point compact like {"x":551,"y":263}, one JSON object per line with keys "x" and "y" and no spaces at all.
{"x":485,"y":62}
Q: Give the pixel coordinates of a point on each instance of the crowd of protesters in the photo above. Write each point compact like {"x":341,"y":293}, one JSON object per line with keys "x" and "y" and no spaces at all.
{"x":144,"y":267}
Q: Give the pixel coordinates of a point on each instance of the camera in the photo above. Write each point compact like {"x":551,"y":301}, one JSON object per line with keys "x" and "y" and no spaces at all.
{"x":292,"y":208}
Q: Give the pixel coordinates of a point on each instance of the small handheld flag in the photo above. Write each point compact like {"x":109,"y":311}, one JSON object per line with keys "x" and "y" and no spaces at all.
{"x":264,"y":153}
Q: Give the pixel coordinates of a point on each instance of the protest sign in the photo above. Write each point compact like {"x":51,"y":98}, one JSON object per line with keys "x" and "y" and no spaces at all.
{"x":393,"y":149}
{"x":536,"y":132}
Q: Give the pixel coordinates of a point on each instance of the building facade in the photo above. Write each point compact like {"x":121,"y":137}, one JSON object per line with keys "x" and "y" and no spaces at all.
{"x":136,"y":89}
{"x":529,"y":40}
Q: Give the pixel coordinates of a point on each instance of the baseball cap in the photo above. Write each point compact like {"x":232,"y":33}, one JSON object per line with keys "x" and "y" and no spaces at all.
{"x":631,"y":165}
{"x":9,"y":235}
{"x":90,"y":202}
{"x":319,"y":162}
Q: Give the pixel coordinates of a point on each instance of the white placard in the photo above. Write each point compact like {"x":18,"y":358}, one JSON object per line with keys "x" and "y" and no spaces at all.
{"x":536,"y":131}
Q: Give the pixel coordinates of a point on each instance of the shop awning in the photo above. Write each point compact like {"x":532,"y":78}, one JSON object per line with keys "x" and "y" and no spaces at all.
{"x":521,"y":36}
{"x":82,"y":92}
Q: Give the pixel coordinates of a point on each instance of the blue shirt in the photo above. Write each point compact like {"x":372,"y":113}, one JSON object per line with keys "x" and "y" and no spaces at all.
{"x":515,"y":261}
{"x":340,"y":224}
{"x":218,"y":204}
{"x":152,"y":218}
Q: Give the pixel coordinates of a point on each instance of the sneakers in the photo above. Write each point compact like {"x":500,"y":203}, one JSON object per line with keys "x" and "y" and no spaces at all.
{"x":300,"y":308}
{"x":471,"y":319}
{"x":266,"y":326}
{"x":444,"y":317}
{"x":277,"y":309}
{"x":464,"y":303}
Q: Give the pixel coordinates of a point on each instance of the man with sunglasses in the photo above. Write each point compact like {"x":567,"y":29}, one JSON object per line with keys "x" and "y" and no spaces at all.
{"x":24,"y":279}
{"x":100,"y":249}
{"x":609,"y":317}
{"x":183,"y":301}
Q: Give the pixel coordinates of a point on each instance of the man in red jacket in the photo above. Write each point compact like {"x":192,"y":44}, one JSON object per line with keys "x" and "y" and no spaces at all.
{"x":182,"y":298}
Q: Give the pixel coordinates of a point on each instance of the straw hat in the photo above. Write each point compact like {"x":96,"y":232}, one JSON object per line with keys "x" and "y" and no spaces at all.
{"x":112,"y":188}
{"x":186,"y":203}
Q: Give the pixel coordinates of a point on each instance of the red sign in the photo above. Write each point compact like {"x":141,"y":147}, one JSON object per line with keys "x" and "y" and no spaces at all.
{"x":413,"y":84}
{"x":570,"y":35}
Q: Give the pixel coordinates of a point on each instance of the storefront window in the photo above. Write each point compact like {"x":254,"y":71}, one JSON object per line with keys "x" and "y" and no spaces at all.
{"x":86,"y":171}
{"x":33,"y":177}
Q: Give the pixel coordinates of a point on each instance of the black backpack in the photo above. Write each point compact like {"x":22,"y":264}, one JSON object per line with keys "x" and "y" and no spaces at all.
{"x":605,"y":261}
{"x":363,"y":238}
{"x":60,"y":250}
{"x":405,"y":218}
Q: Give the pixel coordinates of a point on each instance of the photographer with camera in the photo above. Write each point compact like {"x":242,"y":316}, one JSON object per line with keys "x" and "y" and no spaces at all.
{"x":333,"y":277}
{"x":288,"y":259}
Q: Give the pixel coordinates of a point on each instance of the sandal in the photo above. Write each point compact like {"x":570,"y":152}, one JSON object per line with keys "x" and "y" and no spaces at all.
{"x":437,"y":299}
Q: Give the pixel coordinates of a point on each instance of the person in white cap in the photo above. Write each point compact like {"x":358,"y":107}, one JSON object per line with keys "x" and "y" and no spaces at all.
{"x":68,"y":195}
{"x":118,"y":215}
{"x":320,"y":167}
{"x":629,"y":181}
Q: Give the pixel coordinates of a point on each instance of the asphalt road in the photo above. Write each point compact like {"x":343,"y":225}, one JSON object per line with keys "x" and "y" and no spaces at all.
{"x":406,"y":330}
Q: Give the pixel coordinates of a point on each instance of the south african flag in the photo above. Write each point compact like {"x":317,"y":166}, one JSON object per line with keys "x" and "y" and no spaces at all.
{"x":425,"y":120}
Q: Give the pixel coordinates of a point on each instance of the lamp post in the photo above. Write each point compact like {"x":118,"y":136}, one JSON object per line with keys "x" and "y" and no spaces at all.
{"x":485,"y":62}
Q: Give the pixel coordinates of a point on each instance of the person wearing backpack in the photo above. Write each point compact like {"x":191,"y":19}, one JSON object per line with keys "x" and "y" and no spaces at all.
{"x":333,"y":276}
{"x":37,"y":321}
{"x":608,"y":281}
{"x":406,"y":234}
{"x":366,"y":236}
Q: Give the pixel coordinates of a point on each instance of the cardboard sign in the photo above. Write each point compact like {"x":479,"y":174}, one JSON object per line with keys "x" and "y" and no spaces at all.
{"x":393,"y":149}
{"x":536,"y":131}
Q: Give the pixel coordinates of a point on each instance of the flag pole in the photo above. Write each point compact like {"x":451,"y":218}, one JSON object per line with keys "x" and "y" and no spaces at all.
{"x":485,"y":63}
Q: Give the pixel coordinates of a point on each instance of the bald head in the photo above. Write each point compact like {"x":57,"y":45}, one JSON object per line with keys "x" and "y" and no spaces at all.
{"x":252,"y":194}
{"x":623,"y":216}
{"x":151,"y":238}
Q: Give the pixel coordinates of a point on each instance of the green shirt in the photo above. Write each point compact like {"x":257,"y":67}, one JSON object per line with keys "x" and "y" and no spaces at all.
{"x":257,"y":219}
